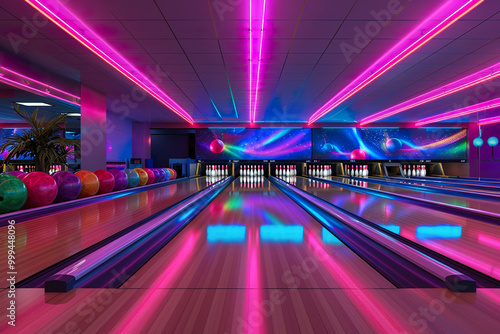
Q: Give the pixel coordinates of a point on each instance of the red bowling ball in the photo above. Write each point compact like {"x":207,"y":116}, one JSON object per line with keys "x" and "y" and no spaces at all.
{"x":42,"y":189}
{"x":106,"y":181}
{"x":151,"y":175}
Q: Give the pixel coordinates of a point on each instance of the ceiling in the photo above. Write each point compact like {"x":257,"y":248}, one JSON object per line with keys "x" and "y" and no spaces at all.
{"x":199,"y":52}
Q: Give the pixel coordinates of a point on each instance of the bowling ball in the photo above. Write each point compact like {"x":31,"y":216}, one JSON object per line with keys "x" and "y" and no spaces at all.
{"x":327,"y":147}
{"x":13,"y":193}
{"x":151,"y":175}
{"x":121,"y":179}
{"x":68,"y":186}
{"x":163,"y":175}
{"x":173,"y":174}
{"x":15,"y":173}
{"x":106,"y":181}
{"x":167,"y":173}
{"x":157,"y":175}
{"x":132,"y":177}
{"x":358,"y":154}
{"x":42,"y":189}
{"x":143,"y":176}
{"x":217,"y":146}
{"x":90,"y":183}
{"x":393,"y":144}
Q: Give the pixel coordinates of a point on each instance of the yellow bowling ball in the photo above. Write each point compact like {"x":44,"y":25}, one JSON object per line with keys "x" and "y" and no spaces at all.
{"x":143,"y":176}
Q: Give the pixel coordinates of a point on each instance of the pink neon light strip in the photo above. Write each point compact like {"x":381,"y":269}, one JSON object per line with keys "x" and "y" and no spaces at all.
{"x":491,"y":104}
{"x":489,"y":73}
{"x":490,"y":120}
{"x":252,"y":116}
{"x":39,"y":82}
{"x":144,"y":83}
{"x":348,"y":92}
{"x":37,"y":91}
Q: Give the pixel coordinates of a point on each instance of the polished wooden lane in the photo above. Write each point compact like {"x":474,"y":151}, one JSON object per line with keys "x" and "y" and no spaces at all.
{"x":283,"y":246}
{"x":290,"y":310}
{"x":471,"y":242}
{"x":44,"y":241}
{"x":222,"y":284}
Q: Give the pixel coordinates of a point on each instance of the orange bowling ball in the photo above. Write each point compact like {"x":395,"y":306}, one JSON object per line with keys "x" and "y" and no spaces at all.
{"x":143,"y":176}
{"x":173,"y":174}
{"x":90,"y":183}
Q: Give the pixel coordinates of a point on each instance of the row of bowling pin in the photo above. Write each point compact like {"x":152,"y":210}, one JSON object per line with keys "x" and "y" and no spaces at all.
{"x":251,"y":170}
{"x":252,"y":181}
{"x":286,"y":170}
{"x":213,"y":179}
{"x":216,"y":170}
{"x":320,"y":170}
{"x":318,"y":184}
{"x":357,"y":183}
{"x":417,"y":171}
{"x":357,"y":170}
{"x":289,"y":179}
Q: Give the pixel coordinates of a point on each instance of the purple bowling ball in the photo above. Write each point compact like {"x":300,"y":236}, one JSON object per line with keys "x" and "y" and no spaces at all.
{"x":15,"y":173}
{"x":163,"y":175}
{"x":157,"y":176}
{"x":68,"y":186}
{"x":121,"y":179}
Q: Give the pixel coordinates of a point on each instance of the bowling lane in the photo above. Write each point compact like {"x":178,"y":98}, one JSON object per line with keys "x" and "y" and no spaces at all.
{"x":471,"y":242}
{"x":252,"y":236}
{"x":44,"y":241}
{"x":465,"y":186}
{"x":478,"y":204}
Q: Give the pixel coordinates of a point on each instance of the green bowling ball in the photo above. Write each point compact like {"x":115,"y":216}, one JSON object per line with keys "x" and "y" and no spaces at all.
{"x":13,"y":193}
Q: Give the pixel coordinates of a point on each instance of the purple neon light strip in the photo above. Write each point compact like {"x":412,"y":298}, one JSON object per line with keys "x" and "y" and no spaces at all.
{"x":142,"y":82}
{"x":474,"y":79}
{"x":39,"y":82}
{"x":252,"y":119}
{"x":491,"y":104}
{"x":36,"y":91}
{"x":353,"y":88}
{"x":489,"y":120}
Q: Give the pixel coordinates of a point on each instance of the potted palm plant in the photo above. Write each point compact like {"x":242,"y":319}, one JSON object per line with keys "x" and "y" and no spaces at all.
{"x":43,"y":143}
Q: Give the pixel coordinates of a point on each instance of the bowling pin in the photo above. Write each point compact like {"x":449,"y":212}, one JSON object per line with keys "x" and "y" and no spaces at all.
{"x":424,"y":171}
{"x":310,"y":171}
{"x":413,"y":172}
{"x":348,"y":172}
{"x":277,"y":170}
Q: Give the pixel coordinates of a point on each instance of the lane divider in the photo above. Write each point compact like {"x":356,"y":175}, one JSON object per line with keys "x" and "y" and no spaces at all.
{"x":452,"y":279}
{"x":64,"y":280}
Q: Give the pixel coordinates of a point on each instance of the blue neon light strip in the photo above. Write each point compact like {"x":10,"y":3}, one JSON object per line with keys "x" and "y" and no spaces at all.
{"x":282,"y":233}
{"x":226,"y":233}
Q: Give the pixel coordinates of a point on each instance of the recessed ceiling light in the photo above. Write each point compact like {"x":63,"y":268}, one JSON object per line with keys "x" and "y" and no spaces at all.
{"x":73,"y":114}
{"x":34,"y":104}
